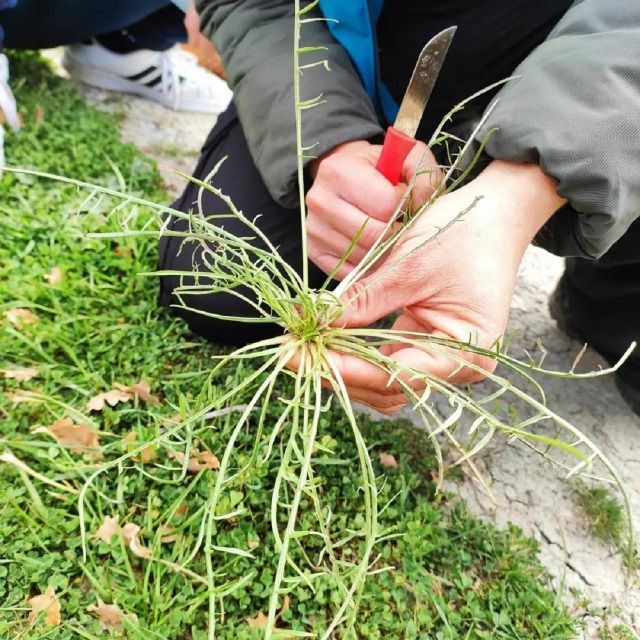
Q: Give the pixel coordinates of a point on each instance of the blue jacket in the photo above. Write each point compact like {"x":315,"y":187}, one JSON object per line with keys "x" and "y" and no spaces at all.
{"x":352,"y":24}
{"x":5,"y":4}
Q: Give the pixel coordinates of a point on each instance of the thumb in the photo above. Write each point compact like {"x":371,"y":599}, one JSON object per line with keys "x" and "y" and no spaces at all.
{"x":380,"y":293}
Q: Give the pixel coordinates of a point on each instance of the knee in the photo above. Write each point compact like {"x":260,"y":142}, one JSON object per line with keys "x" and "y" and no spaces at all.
{"x":205,"y":313}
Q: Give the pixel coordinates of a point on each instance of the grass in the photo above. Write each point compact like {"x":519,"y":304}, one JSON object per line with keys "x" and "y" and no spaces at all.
{"x":605,"y":516}
{"x":453,"y":576}
{"x":616,"y":632}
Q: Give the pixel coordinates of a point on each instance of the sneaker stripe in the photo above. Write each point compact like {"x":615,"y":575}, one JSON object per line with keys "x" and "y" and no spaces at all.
{"x":138,"y":76}
{"x":155,"y":81}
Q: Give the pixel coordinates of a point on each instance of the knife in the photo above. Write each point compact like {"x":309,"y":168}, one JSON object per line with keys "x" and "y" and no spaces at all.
{"x":400,"y":138}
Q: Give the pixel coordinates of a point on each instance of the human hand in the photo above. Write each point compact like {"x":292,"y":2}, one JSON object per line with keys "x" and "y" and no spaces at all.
{"x":458,"y":286}
{"x":348,"y":192}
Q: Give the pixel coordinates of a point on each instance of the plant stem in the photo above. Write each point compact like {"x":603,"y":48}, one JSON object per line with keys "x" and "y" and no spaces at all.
{"x":297,"y":73}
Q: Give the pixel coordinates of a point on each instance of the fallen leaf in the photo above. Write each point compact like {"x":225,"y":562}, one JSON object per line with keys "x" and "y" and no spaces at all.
{"x":112,"y":398}
{"x":78,"y":437}
{"x":142,"y":390}
{"x":253,"y":544}
{"x":209,"y":461}
{"x":21,"y":375}
{"x":130,"y":442}
{"x":48,"y":604}
{"x":54,"y":277}
{"x":107,"y":529}
{"x":387,"y":460}
{"x":21,"y":317}
{"x":258,"y":622}
{"x":261,"y":620}
{"x":130,"y":535}
{"x":286,"y":605}
{"x":198,"y":460}
{"x":167,"y":534}
{"x":19,"y":396}
{"x":38,"y":114}
{"x":123,"y":252}
{"x":172,"y":421}
{"x":110,"y":616}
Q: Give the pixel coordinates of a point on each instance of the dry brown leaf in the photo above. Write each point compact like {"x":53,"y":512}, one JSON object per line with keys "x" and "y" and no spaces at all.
{"x":198,"y":460}
{"x":54,"y":277}
{"x":130,"y":442}
{"x":110,"y":616}
{"x":78,"y":437}
{"x":261,"y":620}
{"x":20,"y":396}
{"x":112,"y":398}
{"x":258,"y":622}
{"x":21,"y":317}
{"x":387,"y":460}
{"x":209,"y":461}
{"x":172,"y":421}
{"x":38,"y":114}
{"x":130,"y":535}
{"x":167,"y":534}
{"x":286,"y":605}
{"x":253,"y":544}
{"x":21,"y":375}
{"x":183,"y":509}
{"x":123,"y":252}
{"x":47,"y":603}
{"x":140,"y":389}
{"x":107,"y":529}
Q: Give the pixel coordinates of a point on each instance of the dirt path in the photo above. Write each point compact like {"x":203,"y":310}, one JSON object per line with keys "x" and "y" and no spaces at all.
{"x":527,"y":491}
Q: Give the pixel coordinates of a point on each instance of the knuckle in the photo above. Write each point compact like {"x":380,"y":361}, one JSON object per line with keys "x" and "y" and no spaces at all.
{"x":314,"y":199}
{"x":331,"y":167}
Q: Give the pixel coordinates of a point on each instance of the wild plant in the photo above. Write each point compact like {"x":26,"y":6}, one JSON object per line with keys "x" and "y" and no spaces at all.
{"x":510,"y":405}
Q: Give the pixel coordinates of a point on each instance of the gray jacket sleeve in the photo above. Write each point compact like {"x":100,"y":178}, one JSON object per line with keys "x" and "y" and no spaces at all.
{"x":255,"y":41}
{"x":576,"y":111}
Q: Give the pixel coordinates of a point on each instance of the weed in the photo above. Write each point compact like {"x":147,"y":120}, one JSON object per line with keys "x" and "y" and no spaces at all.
{"x":616,"y":632}
{"x":453,"y":576}
{"x":604,"y":514}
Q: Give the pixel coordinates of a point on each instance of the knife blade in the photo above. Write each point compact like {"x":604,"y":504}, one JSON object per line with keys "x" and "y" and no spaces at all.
{"x":400,"y":137}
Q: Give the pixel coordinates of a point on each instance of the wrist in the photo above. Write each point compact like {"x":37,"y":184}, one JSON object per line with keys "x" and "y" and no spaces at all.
{"x":526,"y":197}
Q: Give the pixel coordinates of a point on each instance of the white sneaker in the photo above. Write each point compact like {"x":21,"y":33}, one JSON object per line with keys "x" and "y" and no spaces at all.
{"x":172,"y":78}
{"x":7,"y":105}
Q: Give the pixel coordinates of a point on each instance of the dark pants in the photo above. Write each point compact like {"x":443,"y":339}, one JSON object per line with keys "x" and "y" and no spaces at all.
{"x":38,"y":24}
{"x":239,"y":179}
{"x":603,"y":295}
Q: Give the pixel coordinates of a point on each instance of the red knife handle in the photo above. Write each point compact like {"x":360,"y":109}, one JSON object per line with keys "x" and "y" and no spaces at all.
{"x":394,"y":152}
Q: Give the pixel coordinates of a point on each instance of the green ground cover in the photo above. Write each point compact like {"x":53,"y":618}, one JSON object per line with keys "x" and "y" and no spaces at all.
{"x":453,"y":576}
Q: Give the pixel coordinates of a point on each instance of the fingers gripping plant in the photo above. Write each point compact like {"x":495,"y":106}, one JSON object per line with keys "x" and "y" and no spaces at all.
{"x":313,"y":339}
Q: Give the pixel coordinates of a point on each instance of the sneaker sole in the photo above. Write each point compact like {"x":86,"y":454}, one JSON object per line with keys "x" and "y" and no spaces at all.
{"x":97,"y":77}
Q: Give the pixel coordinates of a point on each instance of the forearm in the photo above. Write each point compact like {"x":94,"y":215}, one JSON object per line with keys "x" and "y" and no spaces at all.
{"x":525,"y":197}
